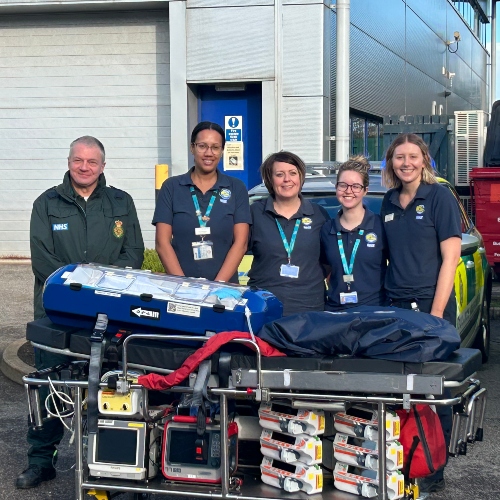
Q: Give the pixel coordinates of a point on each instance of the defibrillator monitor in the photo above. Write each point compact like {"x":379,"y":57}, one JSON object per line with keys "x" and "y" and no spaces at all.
{"x":188,"y":456}
{"x":123,"y":449}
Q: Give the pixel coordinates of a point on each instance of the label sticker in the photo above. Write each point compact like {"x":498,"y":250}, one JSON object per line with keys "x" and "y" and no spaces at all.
{"x":146,"y":313}
{"x":109,"y":294}
{"x":183,"y":309}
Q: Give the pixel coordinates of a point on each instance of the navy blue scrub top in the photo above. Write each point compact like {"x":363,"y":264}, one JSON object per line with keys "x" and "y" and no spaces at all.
{"x":302,"y":294}
{"x":370,"y":262}
{"x":414,"y":235}
{"x":175,"y":207}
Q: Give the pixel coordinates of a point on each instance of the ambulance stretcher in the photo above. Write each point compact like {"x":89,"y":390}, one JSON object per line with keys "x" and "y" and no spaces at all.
{"x":330,"y":384}
{"x":324,"y":383}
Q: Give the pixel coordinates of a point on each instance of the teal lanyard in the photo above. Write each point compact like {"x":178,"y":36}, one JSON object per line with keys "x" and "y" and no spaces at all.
{"x":289,"y":247}
{"x":348,"y":270}
{"x":202,"y":220}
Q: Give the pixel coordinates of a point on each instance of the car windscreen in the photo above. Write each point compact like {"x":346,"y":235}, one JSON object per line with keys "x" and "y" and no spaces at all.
{"x":330,"y":203}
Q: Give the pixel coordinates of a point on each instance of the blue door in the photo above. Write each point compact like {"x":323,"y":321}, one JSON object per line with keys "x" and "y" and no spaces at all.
{"x":215,"y":105}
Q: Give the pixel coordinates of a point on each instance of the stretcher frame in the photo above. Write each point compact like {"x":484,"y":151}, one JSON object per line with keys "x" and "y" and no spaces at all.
{"x":332,"y":390}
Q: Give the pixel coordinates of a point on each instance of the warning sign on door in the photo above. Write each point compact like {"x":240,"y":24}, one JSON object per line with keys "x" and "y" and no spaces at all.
{"x":233,"y":156}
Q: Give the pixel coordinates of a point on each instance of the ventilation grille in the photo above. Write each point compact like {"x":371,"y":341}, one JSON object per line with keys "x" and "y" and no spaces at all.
{"x":469,"y":143}
{"x":466,"y":202}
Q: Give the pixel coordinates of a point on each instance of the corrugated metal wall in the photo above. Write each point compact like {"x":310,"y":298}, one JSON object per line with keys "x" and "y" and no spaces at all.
{"x":234,"y":40}
{"x":398,"y":53}
{"x":66,"y":75}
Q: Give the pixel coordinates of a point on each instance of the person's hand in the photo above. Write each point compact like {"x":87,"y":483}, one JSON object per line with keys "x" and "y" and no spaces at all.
{"x":438,"y":314}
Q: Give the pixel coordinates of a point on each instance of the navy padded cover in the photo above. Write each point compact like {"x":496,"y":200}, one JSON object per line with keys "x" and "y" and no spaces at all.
{"x":386,"y":333}
{"x":162,"y":354}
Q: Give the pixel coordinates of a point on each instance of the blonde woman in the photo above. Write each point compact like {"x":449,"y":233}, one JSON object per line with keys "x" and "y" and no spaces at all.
{"x":423,"y":228}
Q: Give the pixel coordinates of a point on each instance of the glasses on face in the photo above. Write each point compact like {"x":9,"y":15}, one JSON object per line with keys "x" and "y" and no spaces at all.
{"x":355,"y":188}
{"x":201,"y":147}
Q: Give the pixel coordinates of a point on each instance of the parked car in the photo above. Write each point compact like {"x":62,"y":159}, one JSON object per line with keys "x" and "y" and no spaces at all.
{"x":473,"y":278}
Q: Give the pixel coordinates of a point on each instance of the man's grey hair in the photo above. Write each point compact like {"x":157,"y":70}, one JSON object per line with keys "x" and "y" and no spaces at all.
{"x":88,"y":140}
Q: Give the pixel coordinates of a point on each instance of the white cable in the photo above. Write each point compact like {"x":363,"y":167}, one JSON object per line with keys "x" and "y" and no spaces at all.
{"x":130,"y":374}
{"x":62,"y":397}
{"x":248,"y":314}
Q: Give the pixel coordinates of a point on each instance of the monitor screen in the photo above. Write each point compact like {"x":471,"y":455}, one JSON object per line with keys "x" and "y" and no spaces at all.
{"x":117,"y":446}
{"x":182,"y":447}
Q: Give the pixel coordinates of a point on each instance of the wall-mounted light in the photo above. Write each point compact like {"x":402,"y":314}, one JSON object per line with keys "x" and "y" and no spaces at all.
{"x":456,"y":36}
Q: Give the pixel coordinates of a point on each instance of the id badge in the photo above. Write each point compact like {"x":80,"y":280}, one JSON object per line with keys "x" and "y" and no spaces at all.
{"x":349,"y":298}
{"x":289,"y":271}
{"x":202,"y":250}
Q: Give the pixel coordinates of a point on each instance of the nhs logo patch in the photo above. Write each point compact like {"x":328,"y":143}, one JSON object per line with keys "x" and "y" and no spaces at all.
{"x":60,"y":227}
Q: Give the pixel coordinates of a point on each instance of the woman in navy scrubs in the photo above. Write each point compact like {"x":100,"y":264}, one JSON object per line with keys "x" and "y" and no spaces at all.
{"x":353,"y":244}
{"x":202,"y":217}
{"x":423,"y":228}
{"x":284,"y":237}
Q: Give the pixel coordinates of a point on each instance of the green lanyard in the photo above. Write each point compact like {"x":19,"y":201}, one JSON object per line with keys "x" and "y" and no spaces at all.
{"x":348,"y":270}
{"x":289,"y":247}
{"x":202,"y":220}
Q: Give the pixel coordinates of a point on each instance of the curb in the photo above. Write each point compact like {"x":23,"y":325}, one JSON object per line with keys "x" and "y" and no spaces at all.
{"x":10,"y":364}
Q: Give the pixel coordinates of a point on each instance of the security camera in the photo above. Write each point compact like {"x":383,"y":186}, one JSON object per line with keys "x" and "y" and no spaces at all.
{"x":456,"y":35}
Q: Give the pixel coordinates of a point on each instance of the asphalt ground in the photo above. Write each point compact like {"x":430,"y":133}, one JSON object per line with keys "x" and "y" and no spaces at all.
{"x":470,"y":477}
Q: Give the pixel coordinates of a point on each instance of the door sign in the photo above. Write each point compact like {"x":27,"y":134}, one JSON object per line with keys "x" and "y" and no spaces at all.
{"x":233,"y":128}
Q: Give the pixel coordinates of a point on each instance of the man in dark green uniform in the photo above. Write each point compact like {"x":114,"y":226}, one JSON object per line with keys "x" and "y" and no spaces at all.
{"x":81,"y":220}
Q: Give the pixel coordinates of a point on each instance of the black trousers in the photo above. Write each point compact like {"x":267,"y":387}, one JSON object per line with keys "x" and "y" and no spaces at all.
{"x":43,"y":442}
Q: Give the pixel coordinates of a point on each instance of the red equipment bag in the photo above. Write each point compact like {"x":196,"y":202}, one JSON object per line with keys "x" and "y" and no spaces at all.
{"x":423,"y":441}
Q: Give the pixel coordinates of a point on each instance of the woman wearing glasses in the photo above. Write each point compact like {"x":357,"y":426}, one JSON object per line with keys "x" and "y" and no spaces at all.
{"x":353,"y":244}
{"x":284,"y":237}
{"x":202,"y":216}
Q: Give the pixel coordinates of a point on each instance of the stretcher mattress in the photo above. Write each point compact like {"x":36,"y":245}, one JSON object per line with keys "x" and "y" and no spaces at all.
{"x":169,"y":355}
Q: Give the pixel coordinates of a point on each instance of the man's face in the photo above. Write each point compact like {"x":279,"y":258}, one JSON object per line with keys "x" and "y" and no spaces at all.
{"x":85,"y":165}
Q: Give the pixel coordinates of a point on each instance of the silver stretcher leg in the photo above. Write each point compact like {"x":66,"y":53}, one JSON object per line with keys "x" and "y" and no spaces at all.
{"x":457,"y":432}
{"x":79,"y":494}
{"x":475,"y":425}
{"x":468,"y":421}
{"x":34,"y":409}
{"x":482,"y":411}
{"x":382,"y":480}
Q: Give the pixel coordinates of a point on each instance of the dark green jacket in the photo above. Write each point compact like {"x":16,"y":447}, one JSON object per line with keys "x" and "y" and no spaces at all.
{"x":65,"y":229}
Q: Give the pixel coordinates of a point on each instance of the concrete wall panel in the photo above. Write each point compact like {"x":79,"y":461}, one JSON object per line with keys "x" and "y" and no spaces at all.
{"x":230,"y":44}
